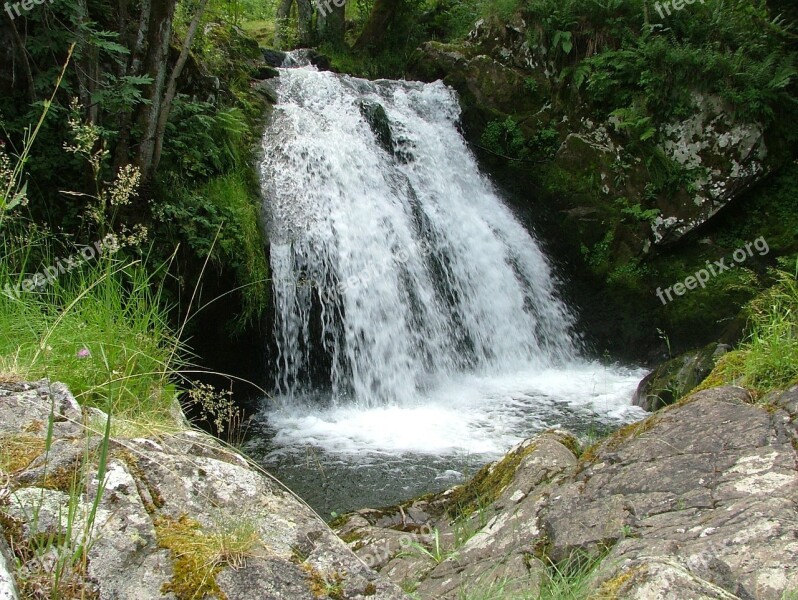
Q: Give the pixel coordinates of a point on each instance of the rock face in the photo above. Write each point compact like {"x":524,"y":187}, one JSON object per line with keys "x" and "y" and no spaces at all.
{"x":173,"y":515}
{"x":676,"y":377}
{"x":698,"y":501}
{"x":499,"y":72}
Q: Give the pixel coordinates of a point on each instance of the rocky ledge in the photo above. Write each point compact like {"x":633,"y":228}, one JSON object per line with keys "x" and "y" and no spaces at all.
{"x":698,"y":501}
{"x":88,"y":512}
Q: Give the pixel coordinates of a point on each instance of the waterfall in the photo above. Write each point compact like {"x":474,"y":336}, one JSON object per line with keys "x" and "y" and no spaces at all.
{"x":417,"y":326}
{"x":395,"y":263}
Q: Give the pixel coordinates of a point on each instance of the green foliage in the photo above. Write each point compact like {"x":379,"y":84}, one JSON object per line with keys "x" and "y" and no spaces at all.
{"x":636,"y":211}
{"x":203,"y":140}
{"x":771,"y":350}
{"x":531,"y":85}
{"x":544,"y":143}
{"x":598,"y":256}
{"x":99,"y":329}
{"x":639,"y":126}
{"x":505,"y":138}
{"x":93,"y":320}
{"x":220,"y":220}
{"x":619,"y":54}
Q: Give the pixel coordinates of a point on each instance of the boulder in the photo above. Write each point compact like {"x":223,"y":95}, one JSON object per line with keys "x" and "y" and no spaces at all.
{"x":676,"y":377}
{"x":265,"y":72}
{"x":273,"y":58}
{"x":172,"y":515}
{"x":499,"y":71}
{"x":700,"y":500}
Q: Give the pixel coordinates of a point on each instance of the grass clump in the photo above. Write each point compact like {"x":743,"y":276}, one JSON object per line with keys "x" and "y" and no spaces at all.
{"x":325,"y":586}
{"x":434,"y":551}
{"x":768,"y":358}
{"x":570,"y":579}
{"x":199,"y":556}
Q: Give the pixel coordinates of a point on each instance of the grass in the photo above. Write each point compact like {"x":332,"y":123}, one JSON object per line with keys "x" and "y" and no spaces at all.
{"x":261,"y":30}
{"x":434,"y":551}
{"x":768,"y":358}
{"x":100,"y":330}
{"x":570,"y":579}
{"x":567,"y":580}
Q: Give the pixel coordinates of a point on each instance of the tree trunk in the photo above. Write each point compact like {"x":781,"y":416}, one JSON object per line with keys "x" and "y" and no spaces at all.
{"x":305,"y":23}
{"x":23,"y":59}
{"x":380,"y":20}
{"x":332,"y":21}
{"x":171,"y":88}
{"x":158,"y":38}
{"x":133,"y":69}
{"x":281,"y":23}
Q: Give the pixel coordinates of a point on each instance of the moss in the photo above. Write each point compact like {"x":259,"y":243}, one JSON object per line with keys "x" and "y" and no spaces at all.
{"x":325,"y":586}
{"x":625,"y":433}
{"x":198,"y":556}
{"x":569,"y":441}
{"x":194,"y":574}
{"x":64,"y":479}
{"x":370,"y":590}
{"x":35,"y":426}
{"x":487,"y":484}
{"x":13,"y":530}
{"x":340,"y":521}
{"x":540,"y":551}
{"x":19,"y":451}
{"x":610,"y":588}
{"x":352,"y":536}
{"x":728,"y":370}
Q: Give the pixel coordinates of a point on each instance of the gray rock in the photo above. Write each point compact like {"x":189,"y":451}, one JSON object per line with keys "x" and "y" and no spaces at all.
{"x":159,"y":498}
{"x":8,"y":587}
{"x":700,"y":500}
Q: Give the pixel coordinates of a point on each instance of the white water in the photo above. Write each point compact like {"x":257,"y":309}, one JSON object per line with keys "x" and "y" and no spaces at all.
{"x":414,"y":312}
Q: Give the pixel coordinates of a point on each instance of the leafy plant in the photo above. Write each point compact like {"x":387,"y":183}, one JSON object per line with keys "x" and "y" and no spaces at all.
{"x":505,"y":138}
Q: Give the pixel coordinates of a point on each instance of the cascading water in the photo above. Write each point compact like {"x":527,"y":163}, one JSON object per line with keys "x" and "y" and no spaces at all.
{"x":414,"y":314}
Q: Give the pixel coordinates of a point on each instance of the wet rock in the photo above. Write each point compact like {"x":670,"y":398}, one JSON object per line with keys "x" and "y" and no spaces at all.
{"x":321,"y":61}
{"x":160,"y":502}
{"x":697,"y":501}
{"x":377,"y":118}
{"x":265,"y":72}
{"x":676,"y":377}
{"x":273,"y":58}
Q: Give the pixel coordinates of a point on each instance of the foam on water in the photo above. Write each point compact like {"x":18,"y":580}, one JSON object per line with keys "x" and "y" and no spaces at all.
{"x":473,"y":415}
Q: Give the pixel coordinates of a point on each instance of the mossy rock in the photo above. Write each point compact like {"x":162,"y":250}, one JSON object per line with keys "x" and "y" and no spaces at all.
{"x":675,"y":378}
{"x":488,"y":483}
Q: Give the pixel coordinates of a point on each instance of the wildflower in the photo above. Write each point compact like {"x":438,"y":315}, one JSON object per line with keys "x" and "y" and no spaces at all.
{"x":84,"y":353}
